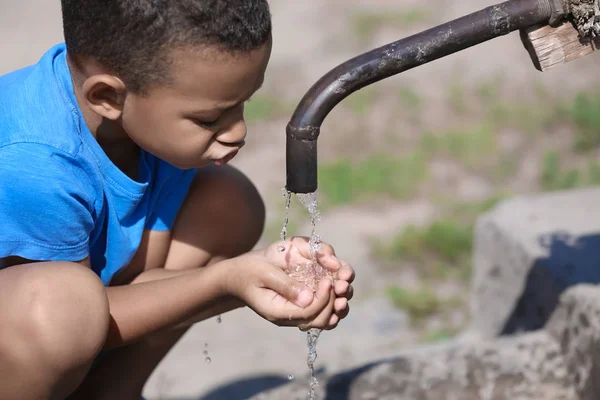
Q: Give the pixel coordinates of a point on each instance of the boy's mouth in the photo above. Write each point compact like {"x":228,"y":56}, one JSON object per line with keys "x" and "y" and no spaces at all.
{"x":226,"y":159}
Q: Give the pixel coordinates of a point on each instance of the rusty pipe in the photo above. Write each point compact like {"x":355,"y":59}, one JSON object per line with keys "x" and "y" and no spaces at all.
{"x":305,"y":125}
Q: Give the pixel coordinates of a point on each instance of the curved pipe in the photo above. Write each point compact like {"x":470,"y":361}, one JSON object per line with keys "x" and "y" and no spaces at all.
{"x":375,"y":65}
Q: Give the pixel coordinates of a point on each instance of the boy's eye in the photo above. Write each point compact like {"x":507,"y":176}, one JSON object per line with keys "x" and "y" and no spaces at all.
{"x":205,"y":123}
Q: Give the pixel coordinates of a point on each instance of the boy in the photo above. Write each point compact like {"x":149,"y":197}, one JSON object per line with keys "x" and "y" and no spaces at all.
{"x":121,"y":223}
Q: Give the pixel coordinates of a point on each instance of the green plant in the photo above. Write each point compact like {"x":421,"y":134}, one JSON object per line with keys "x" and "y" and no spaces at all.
{"x":446,"y":239}
{"x":528,"y":118}
{"x":457,"y":96}
{"x":469,"y":211}
{"x":346,"y":181}
{"x":262,"y":107}
{"x":365,"y":24}
{"x":418,"y":303}
{"x":553,"y":178}
{"x":472,"y":147}
{"x":439,"y":335}
{"x":441,"y":249}
{"x":593,"y":173}
{"x":296,"y":217}
{"x":360,"y":102}
{"x":584,"y":112}
{"x":410,"y":98}
{"x":488,"y":90}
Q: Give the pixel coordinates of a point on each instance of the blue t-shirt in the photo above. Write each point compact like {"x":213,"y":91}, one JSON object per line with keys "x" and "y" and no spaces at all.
{"x":61,"y":198}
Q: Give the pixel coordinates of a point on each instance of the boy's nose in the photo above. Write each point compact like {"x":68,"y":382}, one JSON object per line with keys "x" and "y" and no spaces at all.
{"x":235,"y":132}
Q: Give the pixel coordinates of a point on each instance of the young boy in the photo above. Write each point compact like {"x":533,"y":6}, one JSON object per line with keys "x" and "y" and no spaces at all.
{"x":118,"y":228}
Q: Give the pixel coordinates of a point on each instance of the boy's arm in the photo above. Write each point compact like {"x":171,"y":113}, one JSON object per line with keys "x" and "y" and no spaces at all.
{"x":168,"y":300}
{"x":150,"y":264}
{"x":162,"y":299}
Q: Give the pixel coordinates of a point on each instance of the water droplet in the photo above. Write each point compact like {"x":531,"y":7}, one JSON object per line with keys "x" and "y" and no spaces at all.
{"x":281,"y":249}
{"x":288,"y":198}
{"x":219,"y":320}
{"x":207,"y":360}
{"x":205,"y":352}
{"x":291,"y":377}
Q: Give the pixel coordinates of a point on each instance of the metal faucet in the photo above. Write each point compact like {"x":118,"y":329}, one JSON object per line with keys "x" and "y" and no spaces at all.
{"x":494,"y":21}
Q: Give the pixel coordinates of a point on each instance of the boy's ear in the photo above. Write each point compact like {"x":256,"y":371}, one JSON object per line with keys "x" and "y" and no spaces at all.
{"x":105,"y":95}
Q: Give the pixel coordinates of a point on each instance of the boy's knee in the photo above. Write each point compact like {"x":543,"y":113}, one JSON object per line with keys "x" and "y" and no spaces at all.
{"x":234,"y":203}
{"x":66,"y":319}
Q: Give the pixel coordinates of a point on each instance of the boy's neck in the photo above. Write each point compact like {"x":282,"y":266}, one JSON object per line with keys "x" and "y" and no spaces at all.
{"x":111,"y":136}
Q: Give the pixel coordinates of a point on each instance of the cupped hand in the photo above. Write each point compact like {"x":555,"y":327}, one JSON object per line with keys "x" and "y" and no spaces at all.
{"x":295,"y":253}
{"x":264,"y":286}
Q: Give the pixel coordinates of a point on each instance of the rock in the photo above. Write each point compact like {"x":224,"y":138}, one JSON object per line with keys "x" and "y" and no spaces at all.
{"x":560,"y":361}
{"x":527,"y":251}
{"x":576,"y":326}
{"x":528,"y":366}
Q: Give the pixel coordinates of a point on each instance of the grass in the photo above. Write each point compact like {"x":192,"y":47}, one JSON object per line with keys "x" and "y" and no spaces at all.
{"x":441,"y":249}
{"x":457,"y":97}
{"x":297,"y":217}
{"x":440,"y":335}
{"x":584,"y":113}
{"x":409,"y":98}
{"x":469,"y":211}
{"x":366,"y":24}
{"x":262,"y":107}
{"x":361,"y":102}
{"x":446,"y":239}
{"x":347,"y":181}
{"x":471,"y":147}
{"x":421,"y":303}
{"x":418,"y":303}
{"x":488,"y":90}
{"x":556,"y":177}
{"x":528,"y":118}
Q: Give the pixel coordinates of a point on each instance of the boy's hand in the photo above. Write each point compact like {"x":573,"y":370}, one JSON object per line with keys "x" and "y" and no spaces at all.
{"x":260,"y":280}
{"x":296,"y":251}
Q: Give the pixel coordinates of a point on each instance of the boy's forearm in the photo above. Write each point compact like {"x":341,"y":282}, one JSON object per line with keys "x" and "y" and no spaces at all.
{"x":160,"y":300}
{"x":223,"y":305}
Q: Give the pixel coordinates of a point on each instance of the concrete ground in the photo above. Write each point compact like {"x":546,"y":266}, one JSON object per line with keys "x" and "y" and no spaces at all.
{"x":311,"y":37}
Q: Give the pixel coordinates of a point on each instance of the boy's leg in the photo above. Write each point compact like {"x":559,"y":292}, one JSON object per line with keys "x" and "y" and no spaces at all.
{"x":53,"y":322}
{"x":222,"y":217}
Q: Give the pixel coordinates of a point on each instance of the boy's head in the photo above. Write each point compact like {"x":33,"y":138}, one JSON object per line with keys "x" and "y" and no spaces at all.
{"x":172,"y":75}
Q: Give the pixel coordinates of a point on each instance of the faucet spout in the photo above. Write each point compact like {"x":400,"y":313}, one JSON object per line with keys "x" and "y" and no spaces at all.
{"x":305,"y":125}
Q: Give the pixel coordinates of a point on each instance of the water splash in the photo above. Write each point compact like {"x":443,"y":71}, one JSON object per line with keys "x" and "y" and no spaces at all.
{"x":309,"y":201}
{"x":290,"y":377}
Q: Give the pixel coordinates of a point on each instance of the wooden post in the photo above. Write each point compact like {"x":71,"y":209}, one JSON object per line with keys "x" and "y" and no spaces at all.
{"x":549,"y":47}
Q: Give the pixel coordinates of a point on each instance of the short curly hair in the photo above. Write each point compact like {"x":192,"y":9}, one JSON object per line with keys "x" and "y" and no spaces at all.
{"x":132,"y":38}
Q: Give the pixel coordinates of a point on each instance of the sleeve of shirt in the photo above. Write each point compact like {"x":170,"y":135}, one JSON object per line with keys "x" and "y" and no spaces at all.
{"x":169,"y":200}
{"x":46,"y":206}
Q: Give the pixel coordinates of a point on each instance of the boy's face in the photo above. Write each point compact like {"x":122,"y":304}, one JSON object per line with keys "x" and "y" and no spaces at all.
{"x":199,"y":117}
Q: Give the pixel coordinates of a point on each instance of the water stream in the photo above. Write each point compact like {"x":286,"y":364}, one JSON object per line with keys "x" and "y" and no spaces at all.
{"x":310,"y":274}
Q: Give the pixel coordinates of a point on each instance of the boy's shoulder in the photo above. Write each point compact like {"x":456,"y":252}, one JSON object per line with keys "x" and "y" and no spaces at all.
{"x":36,"y":105}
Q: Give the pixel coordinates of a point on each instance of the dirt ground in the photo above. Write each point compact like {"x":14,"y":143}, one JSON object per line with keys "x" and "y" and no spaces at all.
{"x":310,"y":38}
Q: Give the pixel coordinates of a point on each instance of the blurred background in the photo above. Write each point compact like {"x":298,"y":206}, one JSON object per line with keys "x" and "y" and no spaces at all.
{"x":406,"y":166}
